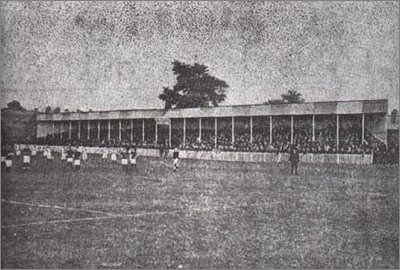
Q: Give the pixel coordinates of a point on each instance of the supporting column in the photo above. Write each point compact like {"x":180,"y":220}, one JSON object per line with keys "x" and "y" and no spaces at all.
{"x":200,"y":129}
{"x":170,"y":134}
{"x":337,"y":132}
{"x":98,"y":130}
{"x":184,"y":131}
{"x":313,"y":128}
{"x":215,"y":132}
{"x":120,"y":130}
{"x":88,"y":130}
{"x":70,"y":130}
{"x":291,"y":129}
{"x":131,"y":130}
{"x":251,"y":129}
{"x":233,"y":130}
{"x":109,"y":129}
{"x":142,"y":130}
{"x":79,"y":130}
{"x":53,"y":130}
{"x":362,"y":128}
{"x":270,"y":129}
{"x":156,"y":134}
{"x":61,"y":130}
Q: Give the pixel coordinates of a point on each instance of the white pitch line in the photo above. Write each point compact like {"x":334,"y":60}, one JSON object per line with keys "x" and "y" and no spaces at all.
{"x":91,"y":219}
{"x":154,"y":179}
{"x":194,"y":209}
{"x":58,"y":207}
{"x":56,"y":222}
{"x":163,"y":163}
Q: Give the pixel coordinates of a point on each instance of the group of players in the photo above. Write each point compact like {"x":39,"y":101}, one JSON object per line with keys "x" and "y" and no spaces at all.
{"x":7,"y":153}
{"x":75,"y":156}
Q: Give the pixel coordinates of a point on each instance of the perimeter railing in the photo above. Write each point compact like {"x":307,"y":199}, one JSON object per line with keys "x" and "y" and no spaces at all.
{"x":237,"y":156}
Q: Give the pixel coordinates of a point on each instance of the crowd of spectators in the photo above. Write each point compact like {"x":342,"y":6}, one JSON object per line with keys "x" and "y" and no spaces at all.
{"x":324,"y":142}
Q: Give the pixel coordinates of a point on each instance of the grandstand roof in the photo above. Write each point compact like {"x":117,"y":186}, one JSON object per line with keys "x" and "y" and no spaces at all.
{"x":307,"y":108}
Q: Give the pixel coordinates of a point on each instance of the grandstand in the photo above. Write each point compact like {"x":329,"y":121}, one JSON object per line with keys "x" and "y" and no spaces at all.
{"x":334,"y":127}
{"x":143,"y":126}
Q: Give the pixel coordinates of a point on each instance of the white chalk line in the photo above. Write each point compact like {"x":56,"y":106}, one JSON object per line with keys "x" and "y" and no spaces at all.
{"x":58,"y":207}
{"x":55,"y":222}
{"x":195,"y":209}
{"x":165,"y":164}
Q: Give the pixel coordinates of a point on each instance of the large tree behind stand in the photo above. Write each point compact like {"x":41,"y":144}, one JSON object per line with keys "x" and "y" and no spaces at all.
{"x":195,"y":87}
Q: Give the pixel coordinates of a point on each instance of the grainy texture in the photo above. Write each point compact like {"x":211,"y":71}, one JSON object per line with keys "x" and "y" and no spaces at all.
{"x":206,"y":215}
{"x":118,"y":55}
{"x":107,"y":55}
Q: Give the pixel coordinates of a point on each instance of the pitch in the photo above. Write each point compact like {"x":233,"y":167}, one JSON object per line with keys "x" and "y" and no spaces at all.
{"x":205,"y":215}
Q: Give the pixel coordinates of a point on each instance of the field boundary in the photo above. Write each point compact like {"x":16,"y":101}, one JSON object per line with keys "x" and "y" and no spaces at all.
{"x":359,"y":159}
{"x":138,"y":215}
{"x":58,"y":207}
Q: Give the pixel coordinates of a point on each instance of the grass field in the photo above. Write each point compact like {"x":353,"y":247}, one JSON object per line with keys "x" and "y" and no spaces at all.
{"x":207,"y":215}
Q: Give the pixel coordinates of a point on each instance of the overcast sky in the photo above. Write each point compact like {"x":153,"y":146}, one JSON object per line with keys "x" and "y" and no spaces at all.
{"x":117,"y":55}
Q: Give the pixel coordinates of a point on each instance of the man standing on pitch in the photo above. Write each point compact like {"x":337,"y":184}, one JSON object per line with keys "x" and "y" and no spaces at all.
{"x":132,"y":157}
{"x":161,"y":150}
{"x":175,"y":156}
{"x":8,"y":153}
{"x":70,"y":157}
{"x":77,"y":159}
{"x":124,"y":158}
{"x":294,"y":159}
{"x":26,"y":153}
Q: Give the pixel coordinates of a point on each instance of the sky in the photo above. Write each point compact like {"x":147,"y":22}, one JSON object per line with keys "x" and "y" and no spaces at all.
{"x":118,"y":55}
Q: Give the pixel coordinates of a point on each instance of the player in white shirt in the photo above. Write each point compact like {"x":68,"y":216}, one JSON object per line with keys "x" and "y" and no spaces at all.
{"x":113,"y":156}
{"x":77,"y":159}
{"x":175,"y":156}
{"x":45,"y":151}
{"x":70,"y":157}
{"x":9,"y":161}
{"x":26,"y":154}
{"x":132,"y":158}
{"x":34,"y":150}
{"x":104,"y":156}
{"x":84,"y":154}
{"x":63,"y":154}
{"x":7,"y":153}
{"x":49,"y":154}
{"x":3,"y":157}
{"x":124,"y":158}
{"x":17,"y":150}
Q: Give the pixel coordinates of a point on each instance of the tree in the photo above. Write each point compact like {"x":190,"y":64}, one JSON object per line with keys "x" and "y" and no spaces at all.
{"x":66,"y":110}
{"x":170,"y":97}
{"x":292,"y":97}
{"x":47,"y":109}
{"x":57,"y":110}
{"x":15,"y":105}
{"x":195,"y":87}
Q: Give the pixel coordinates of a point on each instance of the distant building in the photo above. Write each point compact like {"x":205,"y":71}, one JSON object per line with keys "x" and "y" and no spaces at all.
{"x":18,"y":125}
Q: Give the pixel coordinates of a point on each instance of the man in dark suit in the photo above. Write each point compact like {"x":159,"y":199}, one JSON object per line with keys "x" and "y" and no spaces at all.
{"x":294,"y":159}
{"x":175,"y":156}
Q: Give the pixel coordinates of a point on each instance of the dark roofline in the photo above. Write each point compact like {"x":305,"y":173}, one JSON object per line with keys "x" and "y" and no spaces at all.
{"x":106,"y":111}
{"x":237,"y":105}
